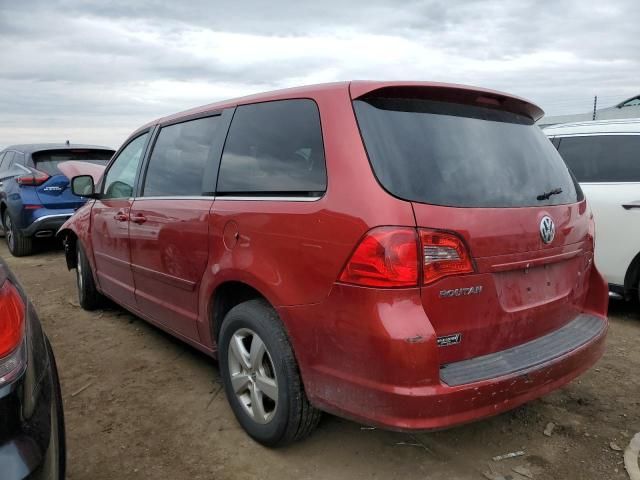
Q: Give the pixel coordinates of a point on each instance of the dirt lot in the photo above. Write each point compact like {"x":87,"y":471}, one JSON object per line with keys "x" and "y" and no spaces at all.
{"x":142,"y":405}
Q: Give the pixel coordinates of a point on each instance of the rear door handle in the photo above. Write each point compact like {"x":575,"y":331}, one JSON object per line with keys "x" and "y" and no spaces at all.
{"x":629,"y":206}
{"x":121,"y":217}
{"x":139,"y":219}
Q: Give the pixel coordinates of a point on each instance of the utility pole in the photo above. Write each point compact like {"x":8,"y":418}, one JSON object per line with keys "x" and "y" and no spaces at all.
{"x":595,"y":104}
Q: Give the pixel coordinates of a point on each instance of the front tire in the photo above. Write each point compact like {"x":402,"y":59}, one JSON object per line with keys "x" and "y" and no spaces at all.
{"x":88,"y":296}
{"x":19,"y":245}
{"x":261,"y":377}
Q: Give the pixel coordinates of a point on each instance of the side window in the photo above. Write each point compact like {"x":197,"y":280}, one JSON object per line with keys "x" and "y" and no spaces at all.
{"x":18,"y":158}
{"x":603,"y":158}
{"x":179,"y":157}
{"x":274,"y":148}
{"x":120,"y":179}
{"x":2,"y":155}
{"x":7,"y":161}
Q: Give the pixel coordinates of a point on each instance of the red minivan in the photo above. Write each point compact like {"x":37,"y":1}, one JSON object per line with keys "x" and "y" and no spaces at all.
{"x":408,"y":255}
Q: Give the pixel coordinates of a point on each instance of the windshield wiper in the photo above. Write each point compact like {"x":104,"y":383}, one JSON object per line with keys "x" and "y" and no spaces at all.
{"x":547,"y":195}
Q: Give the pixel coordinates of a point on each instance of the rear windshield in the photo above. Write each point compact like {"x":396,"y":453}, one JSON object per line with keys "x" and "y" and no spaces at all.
{"x":47,"y":161}
{"x":462,"y":155}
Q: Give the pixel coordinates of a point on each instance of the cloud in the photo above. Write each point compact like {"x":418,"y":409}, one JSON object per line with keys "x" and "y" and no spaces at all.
{"x":94,"y":71}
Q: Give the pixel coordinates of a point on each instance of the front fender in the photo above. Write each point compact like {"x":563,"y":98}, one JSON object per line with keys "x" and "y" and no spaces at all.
{"x":77,"y":228}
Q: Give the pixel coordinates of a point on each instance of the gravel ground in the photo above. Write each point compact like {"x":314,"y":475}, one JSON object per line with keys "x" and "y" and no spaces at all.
{"x":142,"y":405}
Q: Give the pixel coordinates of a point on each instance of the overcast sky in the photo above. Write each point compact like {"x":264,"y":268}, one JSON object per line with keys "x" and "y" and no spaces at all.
{"x":95,"y":71}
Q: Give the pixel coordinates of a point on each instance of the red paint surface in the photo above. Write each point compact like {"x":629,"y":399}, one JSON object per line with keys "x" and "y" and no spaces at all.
{"x":365,"y":353}
{"x":110,"y":249}
{"x":169,"y":253}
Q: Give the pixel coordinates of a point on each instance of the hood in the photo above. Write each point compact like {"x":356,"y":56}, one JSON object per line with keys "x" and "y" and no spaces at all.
{"x":74,"y":168}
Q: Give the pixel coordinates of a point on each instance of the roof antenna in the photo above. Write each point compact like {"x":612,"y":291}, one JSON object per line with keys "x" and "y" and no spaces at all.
{"x":67,"y":143}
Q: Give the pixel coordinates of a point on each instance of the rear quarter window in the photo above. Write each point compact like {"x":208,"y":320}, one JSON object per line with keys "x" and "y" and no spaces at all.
{"x":602,"y":158}
{"x":7,"y":161}
{"x":19,"y":158}
{"x":274,"y":148}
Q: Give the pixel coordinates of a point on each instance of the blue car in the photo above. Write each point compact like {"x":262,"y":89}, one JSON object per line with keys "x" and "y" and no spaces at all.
{"x":35,"y":197}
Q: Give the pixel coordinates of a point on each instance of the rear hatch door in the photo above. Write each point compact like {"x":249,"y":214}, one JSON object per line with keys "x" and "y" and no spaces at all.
{"x":476,"y":168}
{"x":55,"y":192}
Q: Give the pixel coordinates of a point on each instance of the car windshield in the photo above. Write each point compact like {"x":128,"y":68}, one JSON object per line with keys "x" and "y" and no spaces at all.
{"x":47,"y":161}
{"x":462,"y":155}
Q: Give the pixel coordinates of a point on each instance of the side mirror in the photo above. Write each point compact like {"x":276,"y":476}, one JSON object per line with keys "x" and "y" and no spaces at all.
{"x":83,"y":186}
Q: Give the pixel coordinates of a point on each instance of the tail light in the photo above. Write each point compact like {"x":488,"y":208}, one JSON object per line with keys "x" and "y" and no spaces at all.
{"x":443,"y":254}
{"x":12,"y":326}
{"x":35,"y":178}
{"x":385,"y":257}
{"x":388,"y":257}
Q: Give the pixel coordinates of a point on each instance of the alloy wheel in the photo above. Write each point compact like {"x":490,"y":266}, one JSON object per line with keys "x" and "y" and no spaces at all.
{"x":253,"y":376}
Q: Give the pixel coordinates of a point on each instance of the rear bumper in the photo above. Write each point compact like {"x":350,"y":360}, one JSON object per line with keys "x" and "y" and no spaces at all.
{"x":371,"y":356}
{"x":27,"y":406}
{"x":46,"y":225}
{"x":440,"y":406}
{"x":24,"y":452}
{"x":527,"y":357}
{"x":445,"y":406}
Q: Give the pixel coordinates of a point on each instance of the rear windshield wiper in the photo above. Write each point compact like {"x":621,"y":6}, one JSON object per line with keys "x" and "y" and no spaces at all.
{"x":547,"y":195}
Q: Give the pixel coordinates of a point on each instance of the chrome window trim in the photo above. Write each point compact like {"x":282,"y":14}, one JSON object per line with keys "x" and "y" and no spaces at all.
{"x":610,"y":183}
{"x":176,"y":197}
{"x":269,"y":199}
{"x":593,"y":134}
{"x":232,"y":198}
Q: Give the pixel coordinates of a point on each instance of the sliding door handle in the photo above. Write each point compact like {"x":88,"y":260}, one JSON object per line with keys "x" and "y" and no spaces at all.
{"x":139,"y":219}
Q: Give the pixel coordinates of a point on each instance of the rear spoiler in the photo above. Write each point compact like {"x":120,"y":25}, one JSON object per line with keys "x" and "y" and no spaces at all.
{"x":446,"y":92}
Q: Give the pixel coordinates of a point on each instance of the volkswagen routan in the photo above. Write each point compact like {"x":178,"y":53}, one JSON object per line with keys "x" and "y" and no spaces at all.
{"x":412,"y":256}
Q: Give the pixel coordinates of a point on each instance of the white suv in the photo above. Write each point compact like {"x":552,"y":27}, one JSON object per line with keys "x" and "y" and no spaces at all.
{"x":604,"y":156}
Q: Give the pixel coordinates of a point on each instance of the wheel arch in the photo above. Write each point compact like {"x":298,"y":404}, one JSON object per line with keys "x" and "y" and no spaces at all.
{"x":224,"y":297}
{"x":69,"y":240}
{"x":77,"y":229}
{"x":4,"y":207}
{"x":632,"y":277}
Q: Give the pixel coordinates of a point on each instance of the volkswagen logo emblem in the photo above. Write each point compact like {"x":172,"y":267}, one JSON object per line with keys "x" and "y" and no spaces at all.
{"x":547,"y":229}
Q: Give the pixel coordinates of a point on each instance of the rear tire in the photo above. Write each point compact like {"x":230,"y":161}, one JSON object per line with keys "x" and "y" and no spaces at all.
{"x":264,"y":372}
{"x":88,"y":296}
{"x":18,"y":244}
